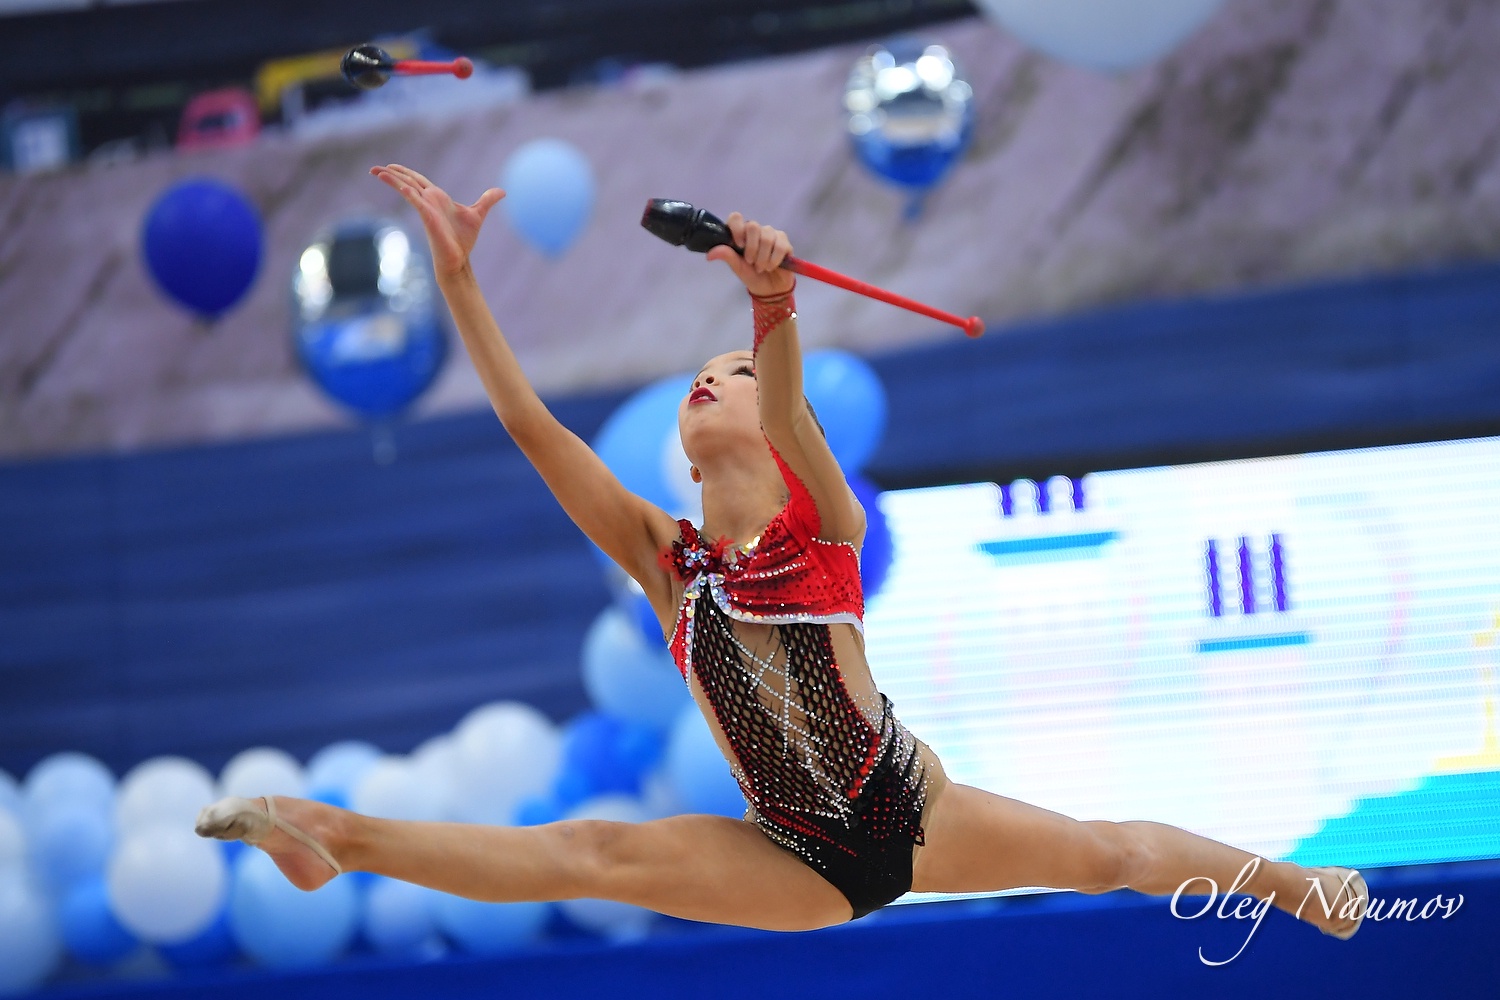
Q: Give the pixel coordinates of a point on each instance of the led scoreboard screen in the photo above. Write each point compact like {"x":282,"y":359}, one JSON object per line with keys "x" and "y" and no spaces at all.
{"x":1299,"y":656}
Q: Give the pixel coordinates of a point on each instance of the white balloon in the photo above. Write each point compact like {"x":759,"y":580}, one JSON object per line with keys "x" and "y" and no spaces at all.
{"x":30,"y":946}
{"x":1103,"y":35}
{"x":262,"y":771}
{"x":504,"y":752}
{"x":12,"y":842}
{"x":394,"y":789}
{"x":616,"y":921}
{"x":166,"y":790}
{"x":166,"y":884}
{"x":70,"y":777}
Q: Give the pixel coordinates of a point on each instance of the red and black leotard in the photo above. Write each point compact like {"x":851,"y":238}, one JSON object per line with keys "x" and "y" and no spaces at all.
{"x":842,"y":790}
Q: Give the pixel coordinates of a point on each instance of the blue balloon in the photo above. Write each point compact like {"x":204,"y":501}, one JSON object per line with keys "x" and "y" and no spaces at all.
{"x":549,"y":194}
{"x":212,"y":946}
{"x":279,"y":925}
{"x":630,"y":442}
{"x":69,"y":843}
{"x":367,"y":326}
{"x":603,"y":755}
{"x":89,"y":927}
{"x":700,"y":775}
{"x":490,"y":928}
{"x":879,"y":549}
{"x":202,"y":243}
{"x":643,"y":616}
{"x":910,"y":114}
{"x":850,"y":404}
{"x":629,"y":678}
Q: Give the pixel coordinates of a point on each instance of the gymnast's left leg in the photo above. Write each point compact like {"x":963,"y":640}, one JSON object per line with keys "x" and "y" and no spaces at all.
{"x":977,"y":841}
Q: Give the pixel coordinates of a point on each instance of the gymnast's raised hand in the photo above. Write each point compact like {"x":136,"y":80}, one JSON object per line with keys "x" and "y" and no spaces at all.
{"x":451,"y":228}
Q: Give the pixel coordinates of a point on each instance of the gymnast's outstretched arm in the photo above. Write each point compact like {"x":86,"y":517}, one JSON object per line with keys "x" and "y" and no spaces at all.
{"x":629,"y":529}
{"x":784,"y":415}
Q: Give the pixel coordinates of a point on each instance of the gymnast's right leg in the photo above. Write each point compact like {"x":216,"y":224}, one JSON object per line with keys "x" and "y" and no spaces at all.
{"x":708,"y":868}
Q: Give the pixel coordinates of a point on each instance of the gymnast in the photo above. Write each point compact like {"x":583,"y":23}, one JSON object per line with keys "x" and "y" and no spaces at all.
{"x":763,"y":609}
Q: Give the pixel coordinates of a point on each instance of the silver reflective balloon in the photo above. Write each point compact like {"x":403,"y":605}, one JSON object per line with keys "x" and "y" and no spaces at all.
{"x":910,"y":112}
{"x":366,"y":325}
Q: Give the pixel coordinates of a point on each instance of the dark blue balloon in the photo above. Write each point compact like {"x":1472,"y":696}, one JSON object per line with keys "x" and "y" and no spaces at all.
{"x":603,"y":755}
{"x":89,"y":927}
{"x":202,"y":244}
{"x":572,"y":786}
{"x":879,"y":550}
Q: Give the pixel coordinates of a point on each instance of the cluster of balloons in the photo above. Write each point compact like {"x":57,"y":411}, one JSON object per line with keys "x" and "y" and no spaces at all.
{"x":366,"y":323}
{"x":640,"y":444}
{"x":202,"y":243}
{"x":99,"y":870}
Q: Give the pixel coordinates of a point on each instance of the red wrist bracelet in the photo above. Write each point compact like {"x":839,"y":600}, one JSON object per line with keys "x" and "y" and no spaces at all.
{"x":771,"y":311}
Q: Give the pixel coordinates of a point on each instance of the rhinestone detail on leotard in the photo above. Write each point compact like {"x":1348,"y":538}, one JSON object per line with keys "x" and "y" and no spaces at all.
{"x":803,"y":748}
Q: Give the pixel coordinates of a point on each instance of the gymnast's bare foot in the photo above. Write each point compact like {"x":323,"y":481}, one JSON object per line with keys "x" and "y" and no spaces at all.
{"x":303,"y":837}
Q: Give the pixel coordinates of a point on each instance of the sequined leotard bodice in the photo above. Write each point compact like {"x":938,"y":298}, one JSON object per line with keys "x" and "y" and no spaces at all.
{"x":841,"y":789}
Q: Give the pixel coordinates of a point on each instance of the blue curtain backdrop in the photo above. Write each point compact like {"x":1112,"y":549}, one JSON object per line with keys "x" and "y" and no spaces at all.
{"x":292,"y":592}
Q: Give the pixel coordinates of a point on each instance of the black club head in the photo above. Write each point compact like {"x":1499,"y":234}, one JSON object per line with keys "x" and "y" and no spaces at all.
{"x":682,"y":225}
{"x":366,"y":66}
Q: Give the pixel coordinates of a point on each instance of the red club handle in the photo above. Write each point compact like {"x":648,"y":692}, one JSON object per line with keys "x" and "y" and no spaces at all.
{"x":461,"y":67}
{"x":973,"y":326}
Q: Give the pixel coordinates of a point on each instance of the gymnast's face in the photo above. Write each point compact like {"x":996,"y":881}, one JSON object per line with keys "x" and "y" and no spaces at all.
{"x":721,"y":410}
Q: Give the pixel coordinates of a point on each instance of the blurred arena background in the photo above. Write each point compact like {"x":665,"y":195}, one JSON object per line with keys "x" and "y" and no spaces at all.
{"x":1201,"y":531}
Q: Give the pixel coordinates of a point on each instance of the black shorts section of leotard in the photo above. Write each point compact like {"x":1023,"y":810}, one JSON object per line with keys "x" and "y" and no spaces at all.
{"x":869,"y":860}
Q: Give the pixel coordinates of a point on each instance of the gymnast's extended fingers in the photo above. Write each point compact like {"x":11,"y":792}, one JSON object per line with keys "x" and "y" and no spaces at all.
{"x":766,"y":251}
{"x":751,"y":243}
{"x":736,"y":224}
{"x":781,"y":248}
{"x":394,"y":180}
{"x":413,"y":178}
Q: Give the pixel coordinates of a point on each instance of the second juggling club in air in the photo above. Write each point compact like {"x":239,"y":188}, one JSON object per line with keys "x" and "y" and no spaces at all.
{"x":369,"y":66}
